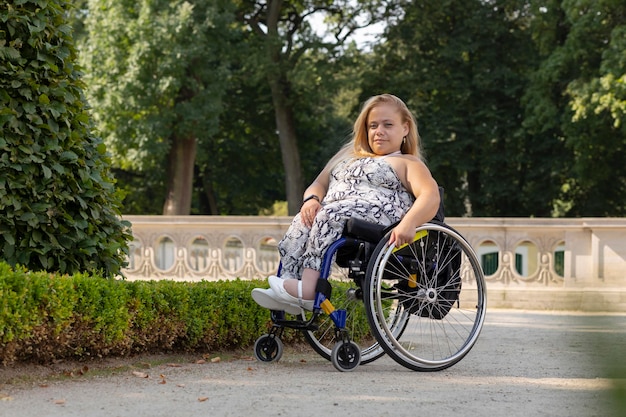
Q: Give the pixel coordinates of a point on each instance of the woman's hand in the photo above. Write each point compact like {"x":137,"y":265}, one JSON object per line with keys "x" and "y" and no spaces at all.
{"x":308,"y":211}
{"x":403,"y":233}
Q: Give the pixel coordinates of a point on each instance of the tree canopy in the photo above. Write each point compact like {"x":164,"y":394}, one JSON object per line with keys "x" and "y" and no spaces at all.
{"x":157,"y":78}
{"x":577,"y":96}
{"x":520,"y":103}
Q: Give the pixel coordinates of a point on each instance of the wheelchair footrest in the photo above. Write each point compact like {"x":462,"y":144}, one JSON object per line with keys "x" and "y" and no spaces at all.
{"x":297,"y":324}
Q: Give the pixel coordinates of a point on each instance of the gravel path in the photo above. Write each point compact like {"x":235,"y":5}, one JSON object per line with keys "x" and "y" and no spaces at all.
{"x":524,"y":364}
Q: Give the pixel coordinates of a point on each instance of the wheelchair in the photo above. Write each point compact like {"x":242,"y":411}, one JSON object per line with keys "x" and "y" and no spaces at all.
{"x":423,"y":303}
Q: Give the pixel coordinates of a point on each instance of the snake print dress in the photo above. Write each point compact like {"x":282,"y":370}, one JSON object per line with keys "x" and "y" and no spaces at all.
{"x":364,"y":188}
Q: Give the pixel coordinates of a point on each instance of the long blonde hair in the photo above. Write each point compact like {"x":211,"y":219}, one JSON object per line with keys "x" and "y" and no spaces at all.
{"x":359,"y":146}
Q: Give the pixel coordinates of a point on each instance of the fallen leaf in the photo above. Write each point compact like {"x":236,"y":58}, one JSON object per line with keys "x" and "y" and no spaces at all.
{"x":200,"y":361}
{"x":5,"y":397}
{"x":202,"y":399}
{"x":174,"y":365}
{"x":60,"y":402}
{"x":250,"y":368}
{"x":216,"y":359}
{"x":162,"y":379}
{"x":181,"y":385}
{"x":302,"y":360}
{"x":247,"y":358}
{"x":140,"y":374}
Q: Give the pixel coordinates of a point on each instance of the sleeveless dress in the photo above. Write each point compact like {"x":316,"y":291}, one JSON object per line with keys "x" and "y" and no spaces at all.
{"x":364,"y":188}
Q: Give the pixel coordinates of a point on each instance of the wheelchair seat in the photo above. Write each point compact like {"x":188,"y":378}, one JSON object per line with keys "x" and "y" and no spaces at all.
{"x":364,"y":230}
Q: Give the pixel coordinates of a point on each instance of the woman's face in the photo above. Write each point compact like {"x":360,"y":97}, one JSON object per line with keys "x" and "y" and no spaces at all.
{"x":385,"y":129}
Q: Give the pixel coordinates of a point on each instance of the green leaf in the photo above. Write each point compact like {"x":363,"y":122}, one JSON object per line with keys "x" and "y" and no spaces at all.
{"x":43,"y":259}
{"x":8,"y":238}
{"x":58,"y":168}
{"x":29,"y":107}
{"x":27,"y":93}
{"x":29,"y":218}
{"x":9,"y":250}
{"x":9,"y":52}
{"x":69,"y":156}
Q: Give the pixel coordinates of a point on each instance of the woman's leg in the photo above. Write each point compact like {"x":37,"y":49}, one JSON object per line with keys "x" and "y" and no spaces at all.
{"x":303,"y":249}
{"x":291,"y":248}
{"x":309,"y":283}
{"x":326,"y":229}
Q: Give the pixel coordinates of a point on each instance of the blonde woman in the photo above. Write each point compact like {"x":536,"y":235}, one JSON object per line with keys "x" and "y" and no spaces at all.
{"x":378,"y":177}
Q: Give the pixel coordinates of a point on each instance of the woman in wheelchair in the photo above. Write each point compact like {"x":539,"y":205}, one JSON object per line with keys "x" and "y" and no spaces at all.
{"x":379,"y":176}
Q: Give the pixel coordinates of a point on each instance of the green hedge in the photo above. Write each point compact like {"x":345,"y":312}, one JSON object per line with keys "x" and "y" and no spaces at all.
{"x":45,"y":316}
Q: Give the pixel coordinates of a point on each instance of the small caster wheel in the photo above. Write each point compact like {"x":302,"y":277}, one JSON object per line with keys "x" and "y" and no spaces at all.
{"x":268,"y":348}
{"x":346,"y":356}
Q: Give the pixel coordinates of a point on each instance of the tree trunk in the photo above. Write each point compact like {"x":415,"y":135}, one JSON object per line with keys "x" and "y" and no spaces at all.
{"x":279,"y":85}
{"x":181,"y":158}
{"x":294,"y":186}
{"x":208,"y":196}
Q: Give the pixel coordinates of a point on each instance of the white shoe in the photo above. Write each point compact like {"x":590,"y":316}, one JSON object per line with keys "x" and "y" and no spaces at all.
{"x":267,"y":298}
{"x":277,"y":285}
{"x":275,"y":282}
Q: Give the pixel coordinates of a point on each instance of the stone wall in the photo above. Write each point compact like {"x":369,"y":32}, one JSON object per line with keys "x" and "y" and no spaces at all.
{"x":553,"y":264}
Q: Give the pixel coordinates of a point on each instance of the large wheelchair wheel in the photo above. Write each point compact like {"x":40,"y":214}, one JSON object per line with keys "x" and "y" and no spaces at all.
{"x":434,"y":289}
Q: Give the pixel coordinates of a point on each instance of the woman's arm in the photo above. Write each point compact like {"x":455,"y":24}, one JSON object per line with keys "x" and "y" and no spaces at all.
{"x":424,"y":188}
{"x":313,"y":196}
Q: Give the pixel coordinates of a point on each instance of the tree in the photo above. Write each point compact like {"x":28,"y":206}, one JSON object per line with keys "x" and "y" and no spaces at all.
{"x":58,"y":207}
{"x":521,"y":102}
{"x":238,"y":171}
{"x":157,"y":76}
{"x":577,"y":96}
{"x":127,"y":57}
{"x":282,"y":32}
{"x":462,"y":68}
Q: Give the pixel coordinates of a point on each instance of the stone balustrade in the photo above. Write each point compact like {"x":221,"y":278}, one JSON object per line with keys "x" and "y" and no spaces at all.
{"x":575,"y":264}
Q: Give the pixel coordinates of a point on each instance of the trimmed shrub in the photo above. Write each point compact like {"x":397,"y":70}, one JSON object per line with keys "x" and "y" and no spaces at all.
{"x":45,"y":317}
{"x":58,"y":207}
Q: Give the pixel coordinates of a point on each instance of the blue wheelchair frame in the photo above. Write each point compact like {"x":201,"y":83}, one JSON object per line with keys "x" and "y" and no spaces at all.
{"x":322,"y":300}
